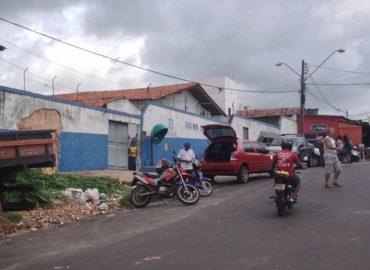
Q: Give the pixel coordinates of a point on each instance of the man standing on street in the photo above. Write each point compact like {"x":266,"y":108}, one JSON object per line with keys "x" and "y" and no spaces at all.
{"x":332,"y":163}
{"x":186,"y":156}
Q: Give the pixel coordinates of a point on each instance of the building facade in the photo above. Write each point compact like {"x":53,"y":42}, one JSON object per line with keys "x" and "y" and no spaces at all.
{"x":88,"y":138}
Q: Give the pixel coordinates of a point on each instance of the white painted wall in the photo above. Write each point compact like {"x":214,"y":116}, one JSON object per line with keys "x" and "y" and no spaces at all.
{"x":180,"y":124}
{"x":14,"y":107}
{"x":254,"y":127}
{"x":288,"y":126}
{"x":123,"y":105}
{"x":225,"y":98}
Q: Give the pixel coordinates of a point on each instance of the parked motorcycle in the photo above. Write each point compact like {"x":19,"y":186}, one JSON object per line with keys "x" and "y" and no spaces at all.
{"x":168,"y":183}
{"x":283,"y":193}
{"x":203,"y":184}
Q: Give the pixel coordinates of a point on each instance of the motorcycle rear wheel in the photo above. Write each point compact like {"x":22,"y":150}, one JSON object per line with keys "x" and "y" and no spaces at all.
{"x":137,"y":199}
{"x":206,"y":189}
{"x":188,"y":198}
{"x":280,"y":204}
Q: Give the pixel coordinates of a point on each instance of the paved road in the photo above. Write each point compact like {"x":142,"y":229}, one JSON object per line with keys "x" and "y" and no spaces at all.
{"x":236,"y":228}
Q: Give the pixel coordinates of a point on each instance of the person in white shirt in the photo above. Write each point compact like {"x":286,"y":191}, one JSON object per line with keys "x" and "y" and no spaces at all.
{"x":186,"y":157}
{"x":332,"y":163}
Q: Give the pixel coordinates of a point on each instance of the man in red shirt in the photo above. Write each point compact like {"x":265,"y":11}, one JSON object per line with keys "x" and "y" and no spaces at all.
{"x":284,"y":161}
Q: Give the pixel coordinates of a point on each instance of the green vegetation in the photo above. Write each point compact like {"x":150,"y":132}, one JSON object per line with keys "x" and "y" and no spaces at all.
{"x":50,"y":186}
{"x":13,"y":217}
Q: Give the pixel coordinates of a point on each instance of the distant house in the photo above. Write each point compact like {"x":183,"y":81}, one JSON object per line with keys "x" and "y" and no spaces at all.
{"x":189,"y":97}
{"x":272,"y":116}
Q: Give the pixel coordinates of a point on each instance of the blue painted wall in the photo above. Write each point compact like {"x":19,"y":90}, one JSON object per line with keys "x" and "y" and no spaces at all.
{"x":159,"y":152}
{"x":83,"y":151}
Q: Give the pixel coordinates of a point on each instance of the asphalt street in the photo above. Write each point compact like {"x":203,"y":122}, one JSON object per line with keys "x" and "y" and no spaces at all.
{"x":236,"y":228}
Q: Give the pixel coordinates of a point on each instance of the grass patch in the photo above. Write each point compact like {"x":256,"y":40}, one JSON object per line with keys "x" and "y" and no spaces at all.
{"x":50,"y":186}
{"x":13,"y":217}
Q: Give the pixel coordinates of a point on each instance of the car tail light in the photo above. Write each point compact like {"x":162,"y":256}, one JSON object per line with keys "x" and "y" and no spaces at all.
{"x":233,"y":156}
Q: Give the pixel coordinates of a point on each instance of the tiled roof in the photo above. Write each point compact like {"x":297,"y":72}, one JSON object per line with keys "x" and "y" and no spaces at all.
{"x":101,"y":98}
{"x":269,"y":112}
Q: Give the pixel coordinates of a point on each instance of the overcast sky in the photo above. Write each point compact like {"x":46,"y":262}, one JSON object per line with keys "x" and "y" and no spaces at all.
{"x":242,"y":40}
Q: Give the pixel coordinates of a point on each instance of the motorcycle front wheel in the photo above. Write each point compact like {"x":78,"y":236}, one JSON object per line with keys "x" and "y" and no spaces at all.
{"x":138,"y":198}
{"x":188,"y":197}
{"x":206,"y":189}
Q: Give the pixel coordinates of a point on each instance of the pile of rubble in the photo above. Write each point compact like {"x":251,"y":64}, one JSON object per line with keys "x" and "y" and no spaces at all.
{"x":79,"y":205}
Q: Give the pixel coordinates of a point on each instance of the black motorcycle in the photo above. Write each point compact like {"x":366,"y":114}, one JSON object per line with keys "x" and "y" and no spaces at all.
{"x":283,"y":193}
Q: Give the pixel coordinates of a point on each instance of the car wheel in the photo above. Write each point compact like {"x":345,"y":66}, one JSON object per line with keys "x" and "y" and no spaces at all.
{"x":243,"y":175}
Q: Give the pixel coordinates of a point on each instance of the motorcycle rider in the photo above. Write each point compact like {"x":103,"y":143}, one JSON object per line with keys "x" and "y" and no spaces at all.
{"x":284,"y":161}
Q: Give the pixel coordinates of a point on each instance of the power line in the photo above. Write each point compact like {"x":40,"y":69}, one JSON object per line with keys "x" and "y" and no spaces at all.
{"x":136,"y":66}
{"x":325,"y":102}
{"x":342,"y":70}
{"x":319,"y":90}
{"x":34,"y":74}
{"x":61,"y":65}
{"x":340,"y":84}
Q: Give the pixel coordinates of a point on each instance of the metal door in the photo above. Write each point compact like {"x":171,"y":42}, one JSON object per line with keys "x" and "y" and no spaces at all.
{"x":117,"y":145}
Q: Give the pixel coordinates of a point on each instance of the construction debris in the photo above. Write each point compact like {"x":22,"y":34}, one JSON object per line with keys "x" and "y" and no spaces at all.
{"x":62,"y":212}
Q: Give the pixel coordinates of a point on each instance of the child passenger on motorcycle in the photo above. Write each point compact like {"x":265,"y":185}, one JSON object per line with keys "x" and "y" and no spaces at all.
{"x":284,"y":161}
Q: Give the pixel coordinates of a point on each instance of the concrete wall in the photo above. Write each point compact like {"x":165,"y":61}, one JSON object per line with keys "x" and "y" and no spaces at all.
{"x":254,"y":127}
{"x":178,"y":101}
{"x":82,"y":129}
{"x":183,"y":127}
{"x":123,"y":105}
{"x":288,"y":125}
{"x":224,"y":98}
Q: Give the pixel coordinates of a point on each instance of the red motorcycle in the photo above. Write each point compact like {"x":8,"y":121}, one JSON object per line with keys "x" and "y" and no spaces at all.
{"x":170,"y":181}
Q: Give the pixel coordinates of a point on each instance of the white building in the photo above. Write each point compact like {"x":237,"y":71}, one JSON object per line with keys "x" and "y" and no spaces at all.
{"x":224,"y":98}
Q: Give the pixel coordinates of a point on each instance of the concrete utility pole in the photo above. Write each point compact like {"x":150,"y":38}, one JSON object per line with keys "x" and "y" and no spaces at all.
{"x":303,"y":96}
{"x":303,"y":79}
{"x":78,"y":85}
{"x":52,"y":82}
{"x":24,"y":79}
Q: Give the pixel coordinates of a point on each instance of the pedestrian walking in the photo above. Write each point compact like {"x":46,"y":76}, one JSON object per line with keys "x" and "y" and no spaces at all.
{"x":339,"y":144}
{"x":347,"y":149}
{"x":186,"y":157}
{"x":132,"y":154}
{"x":332,"y":163}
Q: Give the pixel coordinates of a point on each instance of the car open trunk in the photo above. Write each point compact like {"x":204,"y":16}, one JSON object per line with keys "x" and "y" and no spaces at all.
{"x":219,"y":152}
{"x":223,"y":142}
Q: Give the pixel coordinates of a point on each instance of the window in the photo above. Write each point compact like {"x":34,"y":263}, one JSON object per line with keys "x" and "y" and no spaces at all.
{"x":260,"y":148}
{"x":245,"y":133}
{"x":248,"y":148}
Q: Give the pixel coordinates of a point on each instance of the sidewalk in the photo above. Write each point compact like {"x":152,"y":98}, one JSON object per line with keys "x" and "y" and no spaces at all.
{"x":123,"y":176}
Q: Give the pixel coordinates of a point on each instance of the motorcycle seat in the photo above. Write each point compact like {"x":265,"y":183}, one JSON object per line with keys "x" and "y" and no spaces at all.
{"x":153,"y":176}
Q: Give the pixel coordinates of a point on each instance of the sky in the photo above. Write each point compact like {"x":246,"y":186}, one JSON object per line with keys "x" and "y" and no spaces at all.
{"x":238,"y":39}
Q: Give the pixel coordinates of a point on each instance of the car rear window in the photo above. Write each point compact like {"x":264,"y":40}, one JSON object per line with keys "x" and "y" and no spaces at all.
{"x":220,"y":132}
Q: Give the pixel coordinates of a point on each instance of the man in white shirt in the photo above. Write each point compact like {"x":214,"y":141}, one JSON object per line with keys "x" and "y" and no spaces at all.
{"x":186,"y":157}
{"x":332,"y":163}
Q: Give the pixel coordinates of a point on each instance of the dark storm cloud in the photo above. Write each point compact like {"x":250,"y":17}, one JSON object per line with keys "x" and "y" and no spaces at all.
{"x":239,"y":39}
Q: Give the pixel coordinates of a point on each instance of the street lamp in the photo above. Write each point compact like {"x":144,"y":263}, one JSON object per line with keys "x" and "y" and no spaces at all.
{"x":303,"y":80}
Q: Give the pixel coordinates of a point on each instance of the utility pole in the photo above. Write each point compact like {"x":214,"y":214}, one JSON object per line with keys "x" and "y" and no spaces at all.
{"x":24,"y":79}
{"x":78,"y":86}
{"x":303,"y":96}
{"x":52,"y":81}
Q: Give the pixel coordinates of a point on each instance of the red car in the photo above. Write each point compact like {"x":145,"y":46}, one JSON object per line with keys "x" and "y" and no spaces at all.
{"x":226,"y":155}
